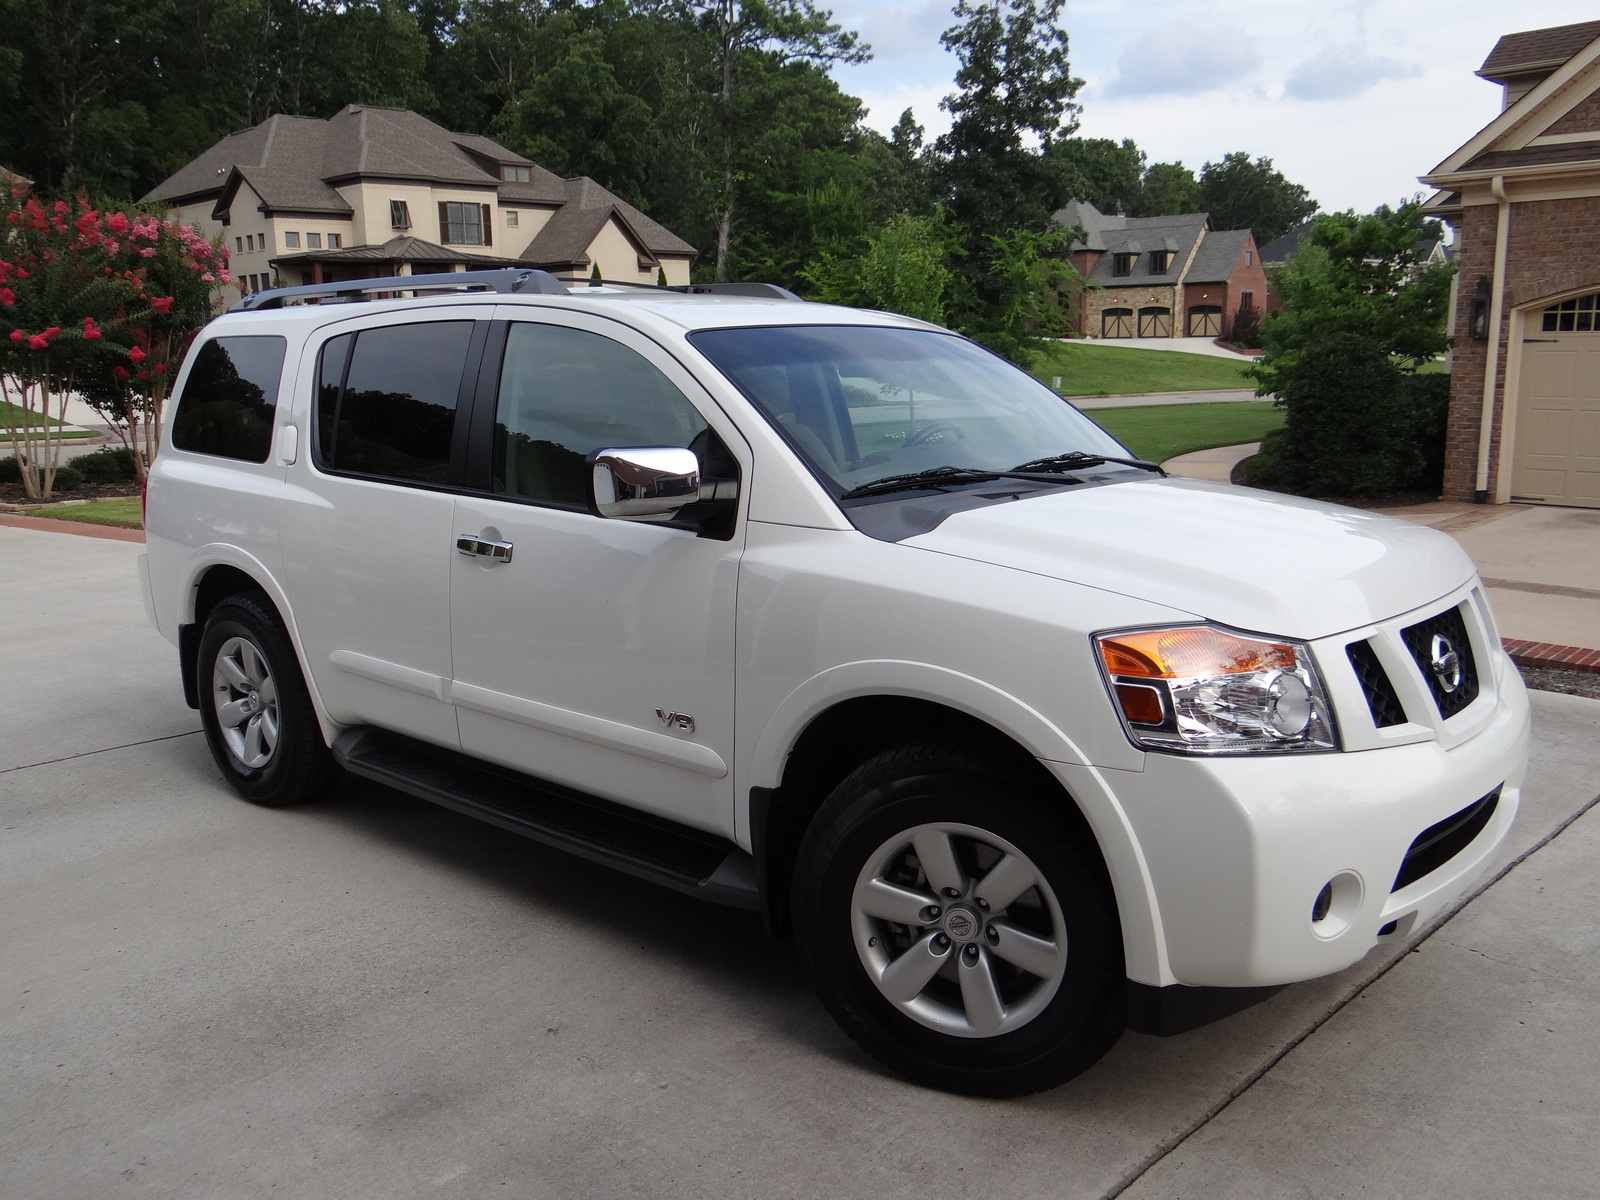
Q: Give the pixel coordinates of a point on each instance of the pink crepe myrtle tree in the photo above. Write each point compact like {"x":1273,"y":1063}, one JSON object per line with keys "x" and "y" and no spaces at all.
{"x":102,"y":305}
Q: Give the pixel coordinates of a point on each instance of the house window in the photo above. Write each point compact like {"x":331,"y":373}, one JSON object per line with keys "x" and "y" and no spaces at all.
{"x":313,"y":241}
{"x":516,"y":174}
{"x":1122,"y":264}
{"x":238,"y":245}
{"x":463,"y":224}
{"x":1247,"y":299}
{"x":291,"y":240}
{"x":511,"y":218}
{"x":335,"y":240}
{"x":399,"y":214}
{"x":1160,"y":260}
{"x":1573,"y":316}
{"x":1249,"y":258}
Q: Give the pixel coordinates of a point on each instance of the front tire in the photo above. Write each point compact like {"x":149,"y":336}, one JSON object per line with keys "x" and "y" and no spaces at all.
{"x":254,"y":706}
{"x":959,"y":925}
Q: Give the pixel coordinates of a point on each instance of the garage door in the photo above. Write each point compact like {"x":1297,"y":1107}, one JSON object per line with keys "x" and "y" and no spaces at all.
{"x":1556,"y":459}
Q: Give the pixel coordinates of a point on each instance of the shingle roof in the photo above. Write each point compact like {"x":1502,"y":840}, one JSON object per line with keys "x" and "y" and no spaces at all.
{"x":567,"y":234}
{"x":1537,"y":50}
{"x":1217,"y":256}
{"x":1279,"y":248}
{"x":401,"y":248}
{"x":1132,"y":235}
{"x":1536,"y":156}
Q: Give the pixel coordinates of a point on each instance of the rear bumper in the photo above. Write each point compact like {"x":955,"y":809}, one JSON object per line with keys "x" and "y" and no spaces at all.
{"x":1238,"y":849}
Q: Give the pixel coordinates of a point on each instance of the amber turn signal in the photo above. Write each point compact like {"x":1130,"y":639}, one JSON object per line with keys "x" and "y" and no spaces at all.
{"x":1141,"y":704}
{"x":1188,"y":652}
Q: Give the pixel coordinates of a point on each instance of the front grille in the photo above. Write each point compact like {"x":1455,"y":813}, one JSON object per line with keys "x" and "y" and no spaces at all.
{"x":1419,"y":639}
{"x":1375,"y":684}
{"x":1438,"y":844}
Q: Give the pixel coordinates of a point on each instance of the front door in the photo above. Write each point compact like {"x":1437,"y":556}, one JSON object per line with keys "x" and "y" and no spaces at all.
{"x":601,"y":653}
{"x":1556,"y":459}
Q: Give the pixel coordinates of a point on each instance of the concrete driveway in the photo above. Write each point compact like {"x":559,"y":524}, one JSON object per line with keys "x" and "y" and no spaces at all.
{"x":373,"y":997}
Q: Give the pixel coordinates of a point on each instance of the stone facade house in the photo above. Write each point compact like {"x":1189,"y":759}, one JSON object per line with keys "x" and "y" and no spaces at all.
{"x":1524,"y":197}
{"x":375,"y":192}
{"x":1161,"y":276}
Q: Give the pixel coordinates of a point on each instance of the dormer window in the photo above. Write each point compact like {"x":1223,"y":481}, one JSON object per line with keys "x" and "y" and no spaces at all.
{"x":516,"y":174}
{"x":1122,"y":264}
{"x":399,"y":214}
{"x":1160,"y":260}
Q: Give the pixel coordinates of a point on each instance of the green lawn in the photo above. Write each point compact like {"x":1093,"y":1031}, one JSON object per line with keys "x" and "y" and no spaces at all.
{"x":12,"y":416}
{"x":1163,"y":430}
{"x":123,"y":511}
{"x":1096,"y":369}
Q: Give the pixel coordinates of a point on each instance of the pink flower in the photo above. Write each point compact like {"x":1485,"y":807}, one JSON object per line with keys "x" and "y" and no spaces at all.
{"x":162,"y":304}
{"x":225,"y":276}
{"x":159,"y":368}
{"x":137,"y":354}
{"x":16,"y":335}
{"x":90,"y":333}
{"x":144,"y":375}
{"x":7,"y":297}
{"x":117,"y":222}
{"x":208,"y":277}
{"x":38,"y":342}
{"x":148,"y":252}
{"x":120,"y":372}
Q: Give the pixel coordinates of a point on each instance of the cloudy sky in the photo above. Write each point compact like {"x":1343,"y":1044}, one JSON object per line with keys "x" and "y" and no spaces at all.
{"x":1352,"y":98}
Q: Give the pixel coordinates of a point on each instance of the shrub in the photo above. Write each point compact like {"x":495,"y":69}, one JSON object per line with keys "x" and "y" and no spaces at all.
{"x":9,"y":471}
{"x":106,"y":465}
{"x":1353,"y":424}
{"x":1425,"y":401}
{"x":68,"y":478}
{"x":1264,"y":468}
{"x":1246,"y":327}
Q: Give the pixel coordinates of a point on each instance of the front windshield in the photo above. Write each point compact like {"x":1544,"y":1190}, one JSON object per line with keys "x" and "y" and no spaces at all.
{"x":860,"y":402}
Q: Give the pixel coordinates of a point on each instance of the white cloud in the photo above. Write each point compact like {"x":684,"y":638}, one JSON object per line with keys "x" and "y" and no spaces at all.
{"x":1340,"y":72}
{"x":885,"y":106}
{"x":1185,"y":60}
{"x":898,"y":30}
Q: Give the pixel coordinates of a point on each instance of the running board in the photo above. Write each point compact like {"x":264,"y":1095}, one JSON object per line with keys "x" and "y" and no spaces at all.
{"x":686,"y":860}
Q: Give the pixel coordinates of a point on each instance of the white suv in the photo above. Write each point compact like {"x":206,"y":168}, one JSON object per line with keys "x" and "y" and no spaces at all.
{"x":834,"y":615}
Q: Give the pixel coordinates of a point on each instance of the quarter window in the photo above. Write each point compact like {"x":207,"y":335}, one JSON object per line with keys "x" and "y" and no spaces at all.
{"x":386,"y":400}
{"x":230,"y":398}
{"x":565,"y":393}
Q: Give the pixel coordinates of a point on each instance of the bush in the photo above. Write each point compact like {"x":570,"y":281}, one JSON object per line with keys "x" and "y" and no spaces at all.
{"x":1355,"y":424}
{"x":1264,"y":468}
{"x":68,"y":478}
{"x":1425,"y":400}
{"x":109,"y":464}
{"x":9,"y":471}
{"x":1246,"y":327}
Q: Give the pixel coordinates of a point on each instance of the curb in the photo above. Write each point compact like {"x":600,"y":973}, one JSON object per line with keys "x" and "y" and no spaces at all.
{"x":113,"y":533}
{"x":1547,"y":654}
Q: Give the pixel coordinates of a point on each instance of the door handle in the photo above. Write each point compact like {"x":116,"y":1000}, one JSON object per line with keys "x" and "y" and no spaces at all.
{"x":483,"y":548}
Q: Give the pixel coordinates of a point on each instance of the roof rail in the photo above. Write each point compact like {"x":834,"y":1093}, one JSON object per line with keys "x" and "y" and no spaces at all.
{"x":770,"y":291}
{"x":511,"y":280}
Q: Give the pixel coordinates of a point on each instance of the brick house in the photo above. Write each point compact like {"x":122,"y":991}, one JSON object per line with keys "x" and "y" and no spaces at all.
{"x":1434,"y":250}
{"x":1161,"y":276}
{"x":1524,"y":197}
{"x":375,"y":192}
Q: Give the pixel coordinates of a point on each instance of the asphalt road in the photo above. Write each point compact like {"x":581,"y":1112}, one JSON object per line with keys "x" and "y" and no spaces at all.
{"x":373,"y":997}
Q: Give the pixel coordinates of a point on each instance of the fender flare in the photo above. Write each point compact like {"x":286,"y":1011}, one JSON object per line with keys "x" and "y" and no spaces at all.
{"x":1144,"y":942}
{"x":221,"y":554}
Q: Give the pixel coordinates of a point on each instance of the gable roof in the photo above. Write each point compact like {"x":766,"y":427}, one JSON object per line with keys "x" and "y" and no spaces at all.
{"x":1536,"y":50}
{"x":1217,"y":256}
{"x":1279,"y":248}
{"x":1112,"y":235}
{"x":567,"y":234}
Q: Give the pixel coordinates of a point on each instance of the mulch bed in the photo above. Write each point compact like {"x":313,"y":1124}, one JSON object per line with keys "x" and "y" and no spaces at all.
{"x":1562,"y":679}
{"x":14,"y":493}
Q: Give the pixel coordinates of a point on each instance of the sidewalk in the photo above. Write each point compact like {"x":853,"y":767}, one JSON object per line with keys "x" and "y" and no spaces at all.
{"x":1150,"y":399}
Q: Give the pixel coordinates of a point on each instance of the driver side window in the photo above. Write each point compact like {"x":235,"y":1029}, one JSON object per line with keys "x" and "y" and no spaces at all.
{"x":565,"y":393}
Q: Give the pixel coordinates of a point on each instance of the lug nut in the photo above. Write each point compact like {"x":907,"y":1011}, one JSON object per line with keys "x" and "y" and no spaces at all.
{"x":941,"y":942}
{"x":951,"y":894}
{"x":969,"y":955}
{"x":983,"y":904}
{"x":931,"y":913}
{"x":993,"y":934}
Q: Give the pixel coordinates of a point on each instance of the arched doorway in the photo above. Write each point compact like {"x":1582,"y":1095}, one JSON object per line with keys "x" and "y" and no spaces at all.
{"x":1155,"y":322}
{"x":1555,"y":453}
{"x":1116,"y":322}
{"x":1205,"y":320}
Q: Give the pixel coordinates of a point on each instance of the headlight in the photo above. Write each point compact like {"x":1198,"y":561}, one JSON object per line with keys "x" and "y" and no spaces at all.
{"x":1199,"y":689}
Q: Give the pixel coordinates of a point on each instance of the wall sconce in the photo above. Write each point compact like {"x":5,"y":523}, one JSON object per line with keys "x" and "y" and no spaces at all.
{"x":1478,"y":320}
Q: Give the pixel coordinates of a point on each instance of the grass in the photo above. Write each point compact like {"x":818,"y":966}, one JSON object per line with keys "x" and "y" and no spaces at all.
{"x":12,"y":416}
{"x":1095,"y":369}
{"x":1163,"y":430}
{"x":122,"y":512}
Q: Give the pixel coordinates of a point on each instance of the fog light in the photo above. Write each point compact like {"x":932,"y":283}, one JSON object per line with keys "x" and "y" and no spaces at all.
{"x":1319,"y":910}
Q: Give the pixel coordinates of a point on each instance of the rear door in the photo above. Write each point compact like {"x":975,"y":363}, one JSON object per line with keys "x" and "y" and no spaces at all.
{"x":601,"y":655}
{"x":368,"y":515}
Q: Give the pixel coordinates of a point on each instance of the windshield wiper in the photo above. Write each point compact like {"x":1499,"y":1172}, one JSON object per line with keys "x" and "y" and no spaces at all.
{"x":1077,"y":460}
{"x":931,"y":478}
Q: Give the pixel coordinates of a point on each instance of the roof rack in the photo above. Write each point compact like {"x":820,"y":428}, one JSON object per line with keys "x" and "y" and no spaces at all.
{"x":510,"y":280}
{"x":769,"y":291}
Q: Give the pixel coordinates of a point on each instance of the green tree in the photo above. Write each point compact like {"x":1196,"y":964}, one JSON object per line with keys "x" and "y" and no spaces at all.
{"x":1099,"y":170}
{"x":1362,"y":275}
{"x":902,"y":266}
{"x":1167,"y":188}
{"x":1240,"y":194}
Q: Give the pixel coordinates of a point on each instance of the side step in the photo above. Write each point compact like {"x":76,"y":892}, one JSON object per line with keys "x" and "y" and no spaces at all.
{"x":686,"y":860}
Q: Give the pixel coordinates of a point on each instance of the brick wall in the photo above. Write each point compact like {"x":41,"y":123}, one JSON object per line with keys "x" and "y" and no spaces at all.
{"x":1554,"y":247}
{"x":1583,"y":119}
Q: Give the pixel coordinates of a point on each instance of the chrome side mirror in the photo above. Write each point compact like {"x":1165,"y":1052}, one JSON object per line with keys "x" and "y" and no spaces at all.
{"x":642,"y":483}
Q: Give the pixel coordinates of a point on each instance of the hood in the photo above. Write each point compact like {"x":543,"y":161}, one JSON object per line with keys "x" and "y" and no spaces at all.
{"x":1255,"y":560}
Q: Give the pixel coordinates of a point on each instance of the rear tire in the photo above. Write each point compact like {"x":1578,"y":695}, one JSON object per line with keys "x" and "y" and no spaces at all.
{"x":257,"y":714}
{"x":959,"y":925}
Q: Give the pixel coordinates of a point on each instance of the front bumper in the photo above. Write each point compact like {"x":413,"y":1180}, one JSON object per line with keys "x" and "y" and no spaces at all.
{"x":1238,"y":849}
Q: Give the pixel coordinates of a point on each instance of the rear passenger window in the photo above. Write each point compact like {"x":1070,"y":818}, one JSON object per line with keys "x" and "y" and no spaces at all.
{"x":564,"y":394}
{"x":230,"y":397}
{"x":386,"y":400}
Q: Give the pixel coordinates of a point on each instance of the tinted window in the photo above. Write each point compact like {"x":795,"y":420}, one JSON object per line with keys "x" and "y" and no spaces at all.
{"x":564,"y":394}
{"x":395,"y":413}
{"x":229,"y":398}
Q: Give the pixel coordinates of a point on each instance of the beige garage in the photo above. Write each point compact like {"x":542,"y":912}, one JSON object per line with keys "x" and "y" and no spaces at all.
{"x":1556,"y":450}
